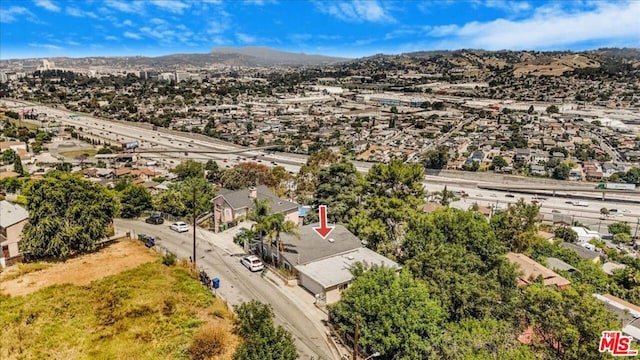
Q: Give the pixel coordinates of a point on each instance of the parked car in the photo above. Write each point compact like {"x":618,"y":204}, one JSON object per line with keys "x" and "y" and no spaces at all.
{"x":509,"y":195}
{"x":252,"y":263}
{"x":179,"y":226}
{"x":155,"y":219}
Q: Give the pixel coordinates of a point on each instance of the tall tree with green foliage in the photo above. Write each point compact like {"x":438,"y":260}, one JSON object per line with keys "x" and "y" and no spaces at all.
{"x":392,"y":194}
{"x":134,"y":200}
{"x":436,"y":159}
{"x":189,"y":169}
{"x":517,"y":226}
{"x":17,"y":167}
{"x":568,"y":323}
{"x":397,"y":316}
{"x":247,"y":174}
{"x":261,"y":338}
{"x":457,"y":254}
{"x":67,"y":215}
{"x":170,"y":202}
{"x":339,"y":187}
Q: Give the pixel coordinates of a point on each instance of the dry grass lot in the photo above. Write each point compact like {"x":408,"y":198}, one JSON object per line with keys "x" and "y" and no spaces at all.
{"x":118,"y":303}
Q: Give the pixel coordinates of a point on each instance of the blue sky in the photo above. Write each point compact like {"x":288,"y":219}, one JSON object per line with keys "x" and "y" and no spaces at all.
{"x":349,"y":28}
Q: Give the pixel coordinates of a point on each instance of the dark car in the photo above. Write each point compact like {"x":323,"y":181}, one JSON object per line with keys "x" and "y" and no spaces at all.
{"x":155,"y":219}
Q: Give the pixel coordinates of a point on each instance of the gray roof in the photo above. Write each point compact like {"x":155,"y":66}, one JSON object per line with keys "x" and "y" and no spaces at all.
{"x":336,"y":270}
{"x":11,"y":214}
{"x":557,"y":264}
{"x":311,"y":247}
{"x":239,"y":199}
{"x":609,"y":267}
{"x":582,"y":252}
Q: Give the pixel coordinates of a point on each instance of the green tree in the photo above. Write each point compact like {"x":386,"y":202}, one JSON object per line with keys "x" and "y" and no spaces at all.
{"x":247,"y":174}
{"x":339,"y":187}
{"x":17,"y":167}
{"x":620,"y":228}
{"x":67,"y":215}
{"x":213,"y":171}
{"x":481,"y":339}
{"x":134,"y":200}
{"x":203,"y":192}
{"x":517,"y":226}
{"x":10,"y":184}
{"x":436,"y":159}
{"x":561,"y":171}
{"x":188,"y":169}
{"x":9,"y":156}
{"x":396,"y":315}
{"x":566,"y":234}
{"x":553,"y":109}
{"x":262,"y":339}
{"x":498,"y":162}
{"x":604,"y":211}
{"x":170,"y":202}
{"x":568,"y":323}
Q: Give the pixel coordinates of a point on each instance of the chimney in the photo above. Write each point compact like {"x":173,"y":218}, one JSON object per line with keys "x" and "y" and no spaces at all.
{"x":253,"y":193}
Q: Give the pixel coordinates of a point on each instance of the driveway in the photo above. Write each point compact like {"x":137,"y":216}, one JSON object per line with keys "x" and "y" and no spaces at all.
{"x":220,"y":257}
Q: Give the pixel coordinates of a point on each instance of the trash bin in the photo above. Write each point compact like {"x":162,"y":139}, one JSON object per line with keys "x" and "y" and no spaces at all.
{"x":215,"y":282}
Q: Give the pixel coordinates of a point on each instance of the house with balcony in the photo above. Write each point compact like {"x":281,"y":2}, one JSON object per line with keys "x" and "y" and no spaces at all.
{"x":231,"y":206}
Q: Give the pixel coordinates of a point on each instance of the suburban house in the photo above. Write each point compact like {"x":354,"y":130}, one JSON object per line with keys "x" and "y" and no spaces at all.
{"x":323,"y":266}
{"x":12,"y":219}
{"x":558,"y":265}
{"x":583,"y":252}
{"x":234,"y":205}
{"x":585,"y":235}
{"x":531,"y":270}
{"x":626,"y":312}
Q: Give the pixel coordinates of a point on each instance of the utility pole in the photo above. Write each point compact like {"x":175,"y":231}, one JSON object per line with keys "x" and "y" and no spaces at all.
{"x":356,"y":335}
{"x":195,"y":209}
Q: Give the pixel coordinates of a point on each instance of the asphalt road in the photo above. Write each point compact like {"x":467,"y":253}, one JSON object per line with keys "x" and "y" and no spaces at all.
{"x":238,"y":284}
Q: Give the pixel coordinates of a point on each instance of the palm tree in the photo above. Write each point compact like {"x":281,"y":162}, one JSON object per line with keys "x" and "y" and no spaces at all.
{"x":260,"y":214}
{"x":278,"y":225}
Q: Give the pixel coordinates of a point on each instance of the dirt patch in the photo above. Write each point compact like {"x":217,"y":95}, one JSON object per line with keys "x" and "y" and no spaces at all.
{"x":113,"y":259}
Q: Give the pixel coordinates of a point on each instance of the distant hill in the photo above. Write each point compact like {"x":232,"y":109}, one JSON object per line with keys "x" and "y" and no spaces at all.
{"x":482,"y":63}
{"x":268,"y":56}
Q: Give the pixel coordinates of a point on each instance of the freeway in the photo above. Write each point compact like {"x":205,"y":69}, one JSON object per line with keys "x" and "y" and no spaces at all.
{"x":237,"y":284}
{"x":171,"y":147}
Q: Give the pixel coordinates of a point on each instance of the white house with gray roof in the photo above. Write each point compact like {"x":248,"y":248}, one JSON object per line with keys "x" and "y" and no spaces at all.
{"x":235,"y":205}
{"x":12,"y":220}
{"x":323,"y":266}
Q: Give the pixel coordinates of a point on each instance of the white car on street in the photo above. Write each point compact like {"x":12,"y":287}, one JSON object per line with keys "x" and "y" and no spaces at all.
{"x":179,"y":227}
{"x":252,"y":263}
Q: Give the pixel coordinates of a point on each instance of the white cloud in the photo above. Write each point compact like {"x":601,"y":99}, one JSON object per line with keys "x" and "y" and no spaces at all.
{"x":174,"y":6}
{"x":131,"y":35}
{"x":259,"y":2}
{"x":549,"y":27}
{"x":111,"y":38}
{"x":13,"y":14}
{"x":513,"y":7}
{"x":127,"y":23}
{"x":356,"y":11}
{"x":217,"y":27}
{"x":246,"y":39}
{"x":125,"y":6}
{"x":47,"y":4}
{"x":46,"y":46}
{"x":73,"y":11}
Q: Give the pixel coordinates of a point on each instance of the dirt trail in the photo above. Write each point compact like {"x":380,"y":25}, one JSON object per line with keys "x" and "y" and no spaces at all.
{"x":113,"y":259}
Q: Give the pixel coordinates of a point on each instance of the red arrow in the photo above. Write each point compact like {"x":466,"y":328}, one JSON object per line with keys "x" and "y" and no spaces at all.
{"x":323,"y":230}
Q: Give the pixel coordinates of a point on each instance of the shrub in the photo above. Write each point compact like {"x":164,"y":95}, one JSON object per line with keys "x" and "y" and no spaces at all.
{"x":169,"y":259}
{"x":209,"y":342}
